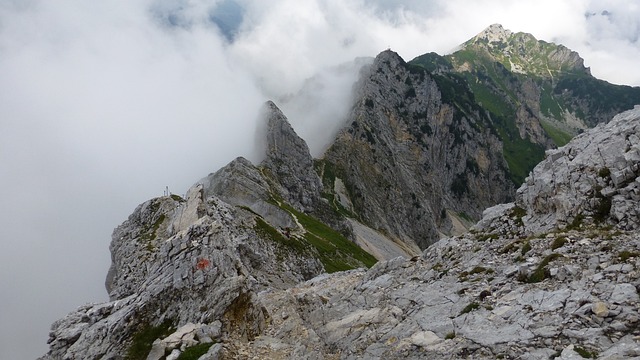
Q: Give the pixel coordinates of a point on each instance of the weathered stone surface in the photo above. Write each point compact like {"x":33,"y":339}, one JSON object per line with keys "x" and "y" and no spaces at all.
{"x":590,"y":181}
{"x":411,"y":161}
{"x":289,"y":162}
{"x":522,"y":285}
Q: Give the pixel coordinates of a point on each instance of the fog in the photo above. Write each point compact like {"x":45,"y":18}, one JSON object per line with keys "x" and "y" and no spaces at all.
{"x":104,"y":104}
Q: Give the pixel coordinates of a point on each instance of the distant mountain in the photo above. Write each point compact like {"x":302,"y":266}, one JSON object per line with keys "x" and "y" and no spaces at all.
{"x":537,"y":94}
{"x":297,"y":257}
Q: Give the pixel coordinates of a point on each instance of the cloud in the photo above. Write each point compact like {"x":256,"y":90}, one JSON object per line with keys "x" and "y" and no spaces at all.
{"x":106,"y":103}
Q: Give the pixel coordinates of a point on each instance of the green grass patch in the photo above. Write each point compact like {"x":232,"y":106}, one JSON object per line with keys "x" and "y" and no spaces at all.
{"x":558,"y":242}
{"x":605,"y":172}
{"x":177,"y":198}
{"x":194,"y":352}
{"x":541,"y":271}
{"x":549,"y":105}
{"x":149,"y":232}
{"x":485,"y":237}
{"x":266,"y":230}
{"x":336,"y":252}
{"x":144,"y":338}
{"x":559,"y":137}
{"x":469,"y":308}
{"x":576,"y":224}
{"x":626,"y":255}
{"x":585,"y":353}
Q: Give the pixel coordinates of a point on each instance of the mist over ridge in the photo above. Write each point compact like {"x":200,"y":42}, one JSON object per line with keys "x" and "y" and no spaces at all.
{"x":105,"y":104}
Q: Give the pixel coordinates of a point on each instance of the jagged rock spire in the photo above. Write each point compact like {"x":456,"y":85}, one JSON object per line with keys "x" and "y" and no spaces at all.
{"x":289,"y":160}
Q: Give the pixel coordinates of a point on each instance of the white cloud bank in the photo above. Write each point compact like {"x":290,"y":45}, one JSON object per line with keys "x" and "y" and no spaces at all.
{"x":105,"y":103}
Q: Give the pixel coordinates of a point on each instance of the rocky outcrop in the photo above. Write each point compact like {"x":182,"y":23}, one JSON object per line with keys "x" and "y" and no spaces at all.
{"x":198,"y":261}
{"x":410,"y":158}
{"x":186,"y":272}
{"x":241,"y":183}
{"x":500,"y":291}
{"x":289,"y":162}
{"x":538,"y":94}
{"x":466,"y":297}
{"x":247,"y":267}
{"x":594,"y":180}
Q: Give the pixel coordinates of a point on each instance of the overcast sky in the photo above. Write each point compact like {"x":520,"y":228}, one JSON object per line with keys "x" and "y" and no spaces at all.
{"x":104,"y":103}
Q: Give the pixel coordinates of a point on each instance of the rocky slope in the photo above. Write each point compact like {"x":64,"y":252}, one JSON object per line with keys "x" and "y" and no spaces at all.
{"x":413,"y":157}
{"x":510,"y":289}
{"x":238,"y":269}
{"x":202,"y":260}
{"x":538,"y":94}
{"x":200,"y":276}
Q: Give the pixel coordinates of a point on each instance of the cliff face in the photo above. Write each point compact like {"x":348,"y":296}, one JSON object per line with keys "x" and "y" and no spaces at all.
{"x":538,"y":94}
{"x":193,"y":267}
{"x":412,"y":159}
{"x":289,"y":162}
{"x":528,"y":282}
{"x":593,"y":180}
{"x":267,"y":260}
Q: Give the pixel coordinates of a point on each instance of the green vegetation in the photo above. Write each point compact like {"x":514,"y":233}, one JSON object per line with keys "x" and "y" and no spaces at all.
{"x":149,"y":232}
{"x":585,"y":353}
{"x":481,"y":269}
{"x":549,"y":105}
{"x":335,"y":251}
{"x":266,"y":230}
{"x":450,"y":335}
{"x":626,"y":255}
{"x":604,"y":173}
{"x":541,"y":271}
{"x":469,"y":308}
{"x":603,"y":210}
{"x":558,"y":242}
{"x":432,"y":62}
{"x":460,"y":185}
{"x":518,"y":213}
{"x":177,"y":198}
{"x":559,"y":137}
{"x":144,"y":338}
{"x":599,"y":95}
{"x":195,"y":352}
{"x":576,"y":223}
{"x":525,"y":248}
{"x":511,"y":247}
{"x":327,"y":172}
{"x":485,"y":237}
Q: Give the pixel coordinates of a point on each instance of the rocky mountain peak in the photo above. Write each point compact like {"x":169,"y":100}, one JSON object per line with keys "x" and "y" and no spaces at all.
{"x":289,"y":161}
{"x":523,"y":53}
{"x":494,"y":33}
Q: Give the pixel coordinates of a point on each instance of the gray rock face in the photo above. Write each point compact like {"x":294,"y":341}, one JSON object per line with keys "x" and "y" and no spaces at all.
{"x":198,"y":261}
{"x":553,"y":274}
{"x":240,"y":183}
{"x":288,"y":160}
{"x":595,"y":179}
{"x":406,"y":157}
{"x":462,"y":299}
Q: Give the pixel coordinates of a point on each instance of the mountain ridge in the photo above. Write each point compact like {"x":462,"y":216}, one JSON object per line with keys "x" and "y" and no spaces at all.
{"x":267,"y":260}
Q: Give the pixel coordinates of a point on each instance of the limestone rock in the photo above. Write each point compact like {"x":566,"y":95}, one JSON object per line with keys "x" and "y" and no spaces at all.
{"x":409,"y":160}
{"x":593,"y":180}
{"x":289,"y":161}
